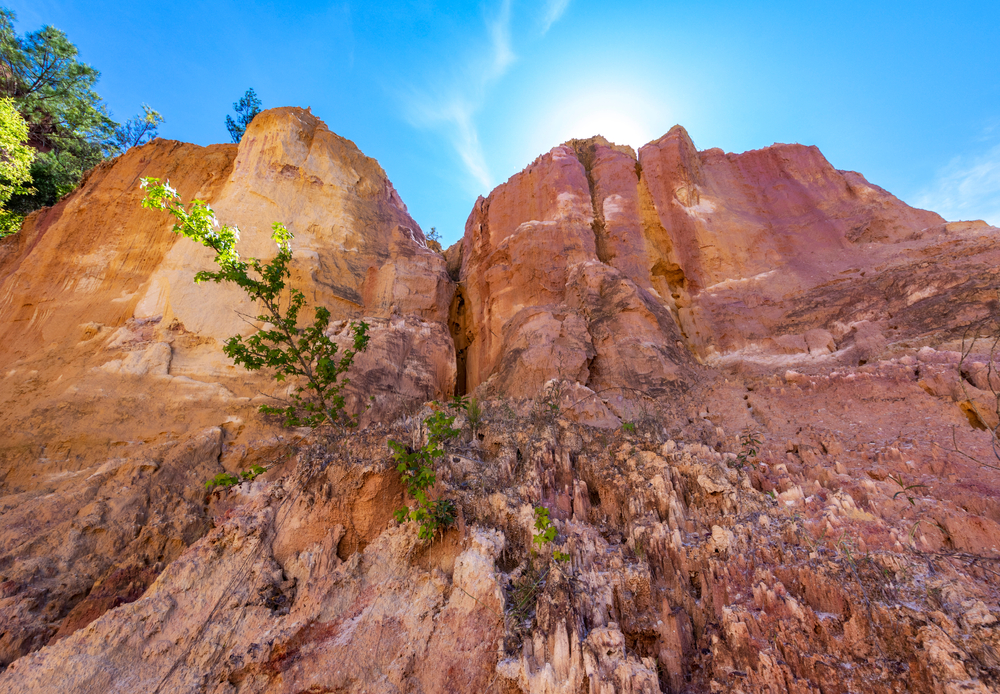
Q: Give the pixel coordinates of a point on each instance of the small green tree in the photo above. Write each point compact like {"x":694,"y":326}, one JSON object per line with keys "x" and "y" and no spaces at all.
{"x":292,"y":351}
{"x":417,"y":471}
{"x":15,"y":164}
{"x":434,"y":240}
{"x":246,"y":109}
{"x":547,"y":533}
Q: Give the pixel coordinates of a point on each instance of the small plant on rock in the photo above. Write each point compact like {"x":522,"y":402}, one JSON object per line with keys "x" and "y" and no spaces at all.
{"x":749,"y":449}
{"x":474,"y":412}
{"x":546,"y":532}
{"x":472,"y":408}
{"x":304,"y":353}
{"x":225,"y":480}
{"x":905,"y":489}
{"x":417,"y":470}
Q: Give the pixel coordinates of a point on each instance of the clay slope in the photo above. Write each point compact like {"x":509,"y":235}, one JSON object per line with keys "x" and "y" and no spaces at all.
{"x":110,"y":355}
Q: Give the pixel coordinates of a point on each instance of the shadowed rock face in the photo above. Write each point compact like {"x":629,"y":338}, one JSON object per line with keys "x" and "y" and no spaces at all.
{"x":626,"y":321}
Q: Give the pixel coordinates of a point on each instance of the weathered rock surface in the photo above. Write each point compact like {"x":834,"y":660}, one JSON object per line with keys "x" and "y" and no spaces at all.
{"x":814,"y":510}
{"x":773,"y":252}
{"x":775,"y":243}
{"x":110,"y":355}
{"x":554,"y":285}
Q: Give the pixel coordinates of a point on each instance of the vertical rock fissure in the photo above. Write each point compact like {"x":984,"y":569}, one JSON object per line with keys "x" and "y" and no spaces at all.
{"x":586,"y":152}
{"x":458,"y":325}
{"x":666,"y":273}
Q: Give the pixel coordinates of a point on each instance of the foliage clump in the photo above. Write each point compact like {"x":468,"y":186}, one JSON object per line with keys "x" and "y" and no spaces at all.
{"x":69,"y":125}
{"x":306,"y":353}
{"x":15,"y":164}
{"x":472,"y":408}
{"x":417,"y":470}
{"x":136,"y":131}
{"x":749,"y":450}
{"x":246,"y":109}
{"x":546,"y":533}
{"x":225,"y":480}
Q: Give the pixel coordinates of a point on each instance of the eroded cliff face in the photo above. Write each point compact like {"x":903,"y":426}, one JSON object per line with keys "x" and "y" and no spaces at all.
{"x":768,"y":251}
{"x":556,"y":285}
{"x":111,"y":355}
{"x":626,"y":321}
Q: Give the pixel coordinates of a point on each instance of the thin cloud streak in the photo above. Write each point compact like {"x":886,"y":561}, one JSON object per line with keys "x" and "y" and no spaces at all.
{"x":499,"y":31}
{"x":453,"y":108}
{"x":967,"y":188}
{"x":553,"y":11}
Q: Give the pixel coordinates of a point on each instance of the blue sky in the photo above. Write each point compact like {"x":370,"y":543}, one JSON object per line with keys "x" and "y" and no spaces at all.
{"x":453,"y":98}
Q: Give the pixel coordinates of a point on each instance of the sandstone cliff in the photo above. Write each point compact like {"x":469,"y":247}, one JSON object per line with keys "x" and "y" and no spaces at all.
{"x":111,"y":354}
{"x":628,"y":320}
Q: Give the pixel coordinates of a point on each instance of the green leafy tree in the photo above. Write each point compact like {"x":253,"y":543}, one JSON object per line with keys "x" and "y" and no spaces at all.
{"x":246,"y":109}
{"x":303,"y":353}
{"x":67,"y":120}
{"x":68,"y":124}
{"x":15,"y":164}
{"x":53,"y":89}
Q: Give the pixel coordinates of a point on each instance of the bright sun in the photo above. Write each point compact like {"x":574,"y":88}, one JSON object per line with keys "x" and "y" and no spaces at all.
{"x":618,"y":113}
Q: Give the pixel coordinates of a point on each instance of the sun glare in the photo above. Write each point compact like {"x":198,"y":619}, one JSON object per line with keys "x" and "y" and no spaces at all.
{"x":623,"y":115}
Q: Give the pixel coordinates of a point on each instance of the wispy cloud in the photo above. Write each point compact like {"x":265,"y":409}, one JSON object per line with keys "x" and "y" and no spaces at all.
{"x":451,"y":105}
{"x":553,"y":11}
{"x":454,"y":114}
{"x":499,"y":32}
{"x":967,"y":188}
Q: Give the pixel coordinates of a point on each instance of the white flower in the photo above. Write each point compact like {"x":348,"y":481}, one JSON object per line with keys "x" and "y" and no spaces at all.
{"x":170,"y":191}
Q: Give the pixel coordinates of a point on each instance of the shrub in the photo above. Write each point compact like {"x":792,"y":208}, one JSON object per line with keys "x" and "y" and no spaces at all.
{"x":546,"y":532}
{"x":749,"y":449}
{"x":15,"y":164}
{"x":472,"y":408}
{"x":417,"y":470}
{"x":227,"y":480}
{"x":305,"y":353}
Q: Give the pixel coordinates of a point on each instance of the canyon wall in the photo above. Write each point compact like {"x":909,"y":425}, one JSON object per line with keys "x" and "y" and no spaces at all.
{"x":769,"y":251}
{"x":742,"y":384}
{"x":111,"y":356}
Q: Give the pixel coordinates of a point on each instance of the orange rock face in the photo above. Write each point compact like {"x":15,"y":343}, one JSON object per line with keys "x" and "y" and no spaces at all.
{"x":106,"y":281}
{"x":555,"y":285}
{"x":737,"y":382}
{"x":110,"y":352}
